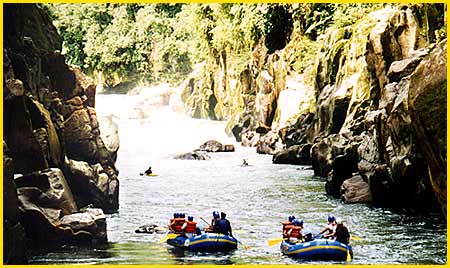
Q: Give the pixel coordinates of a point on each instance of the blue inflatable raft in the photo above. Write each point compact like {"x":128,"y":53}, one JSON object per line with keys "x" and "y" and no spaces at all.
{"x":318,"y":249}
{"x":207,"y":242}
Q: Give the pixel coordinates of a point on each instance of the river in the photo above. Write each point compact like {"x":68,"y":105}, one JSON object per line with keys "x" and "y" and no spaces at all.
{"x":256,"y":199}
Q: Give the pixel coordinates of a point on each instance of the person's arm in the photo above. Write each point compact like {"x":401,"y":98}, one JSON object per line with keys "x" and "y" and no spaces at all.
{"x":184,"y":226}
{"x":324,"y":230}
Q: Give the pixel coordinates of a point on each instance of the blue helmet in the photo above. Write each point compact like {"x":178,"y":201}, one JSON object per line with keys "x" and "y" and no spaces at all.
{"x":190,"y":218}
{"x":216,"y":214}
{"x":331,"y":218}
{"x":183,"y":215}
{"x":174,"y":215}
{"x":291,"y":218}
{"x":300,"y":222}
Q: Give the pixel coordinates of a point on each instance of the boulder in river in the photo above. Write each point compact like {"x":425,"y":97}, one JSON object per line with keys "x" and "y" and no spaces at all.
{"x":356,"y":190}
{"x":213,"y":146}
{"x":296,"y":155}
{"x":195,"y":155}
{"x":50,"y":214}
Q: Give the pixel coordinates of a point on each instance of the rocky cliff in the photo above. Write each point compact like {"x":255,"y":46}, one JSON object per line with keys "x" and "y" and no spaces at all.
{"x":370,"y":111}
{"x":55,"y":160}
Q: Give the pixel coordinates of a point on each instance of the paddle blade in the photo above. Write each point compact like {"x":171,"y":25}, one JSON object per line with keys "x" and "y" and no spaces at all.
{"x":275,"y":241}
{"x":356,"y":238}
{"x":349,"y":257}
{"x":168,"y":236}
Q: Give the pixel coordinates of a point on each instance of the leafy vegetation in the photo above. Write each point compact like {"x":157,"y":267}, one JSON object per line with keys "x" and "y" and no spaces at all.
{"x":162,"y":42}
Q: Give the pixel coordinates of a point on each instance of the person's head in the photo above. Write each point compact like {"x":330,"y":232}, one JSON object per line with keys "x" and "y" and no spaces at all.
{"x":223,"y":215}
{"x":291,"y":218}
{"x":215,"y":214}
{"x":331,"y":219}
{"x":298,"y":222}
{"x":175,"y":215}
{"x":339,"y":221}
{"x":183,"y":215}
{"x":190,"y":218}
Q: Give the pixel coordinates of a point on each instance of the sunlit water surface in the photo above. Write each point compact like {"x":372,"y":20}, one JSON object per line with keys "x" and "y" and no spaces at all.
{"x":256,"y":198}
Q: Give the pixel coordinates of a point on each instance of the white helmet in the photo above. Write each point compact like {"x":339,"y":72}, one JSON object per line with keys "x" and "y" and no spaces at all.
{"x":339,"y":221}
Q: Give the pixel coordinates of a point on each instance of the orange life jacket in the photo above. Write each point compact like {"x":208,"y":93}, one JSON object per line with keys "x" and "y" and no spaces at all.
{"x":286,"y":223}
{"x":177,"y":224}
{"x":191,"y":226}
{"x":295,"y":231}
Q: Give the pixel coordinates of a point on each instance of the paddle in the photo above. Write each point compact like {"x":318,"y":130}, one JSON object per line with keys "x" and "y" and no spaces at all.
{"x":168,"y":236}
{"x":356,"y":238}
{"x":275,"y":241}
{"x":246,"y":247}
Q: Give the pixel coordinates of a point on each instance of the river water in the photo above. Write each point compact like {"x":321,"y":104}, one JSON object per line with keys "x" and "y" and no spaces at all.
{"x":256,"y":199}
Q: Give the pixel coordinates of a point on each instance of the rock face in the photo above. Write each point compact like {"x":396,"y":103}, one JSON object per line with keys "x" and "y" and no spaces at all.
{"x":14,"y":244}
{"x":373,"y":105}
{"x":49,"y":120}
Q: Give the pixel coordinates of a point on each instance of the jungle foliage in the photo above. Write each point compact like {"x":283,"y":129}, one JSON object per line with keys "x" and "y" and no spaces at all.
{"x":162,"y":42}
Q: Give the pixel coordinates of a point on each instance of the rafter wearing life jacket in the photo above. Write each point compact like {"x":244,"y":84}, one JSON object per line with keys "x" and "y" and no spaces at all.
{"x":177,"y":222}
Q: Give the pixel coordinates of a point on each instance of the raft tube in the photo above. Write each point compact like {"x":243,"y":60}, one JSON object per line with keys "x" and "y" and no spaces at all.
{"x":318,"y":249}
{"x":207,"y":242}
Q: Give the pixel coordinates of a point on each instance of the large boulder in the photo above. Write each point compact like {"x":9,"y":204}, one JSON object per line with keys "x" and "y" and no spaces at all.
{"x":91,"y":184}
{"x":296,"y":155}
{"x":195,"y":155}
{"x":50,"y":214}
{"x":269,"y":143}
{"x":109,"y":133}
{"x":356,"y":190}
{"x":213,"y":146}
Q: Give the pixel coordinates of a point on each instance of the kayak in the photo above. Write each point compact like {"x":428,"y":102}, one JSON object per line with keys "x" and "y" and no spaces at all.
{"x":318,"y":249}
{"x":152,"y":175}
{"x":207,"y":242}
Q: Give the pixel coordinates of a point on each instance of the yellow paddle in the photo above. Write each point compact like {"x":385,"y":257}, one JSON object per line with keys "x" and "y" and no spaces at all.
{"x":168,"y":236}
{"x":275,"y":241}
{"x":349,"y":257}
{"x":356,"y":238}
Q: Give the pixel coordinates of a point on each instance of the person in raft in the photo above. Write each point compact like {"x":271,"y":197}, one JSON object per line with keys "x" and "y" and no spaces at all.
{"x":223,"y":225}
{"x":341,"y":234}
{"x":213,"y":225}
{"x":287,"y":225}
{"x":294,"y":232}
{"x":189,"y":228}
{"x":177,"y":222}
{"x":329,"y":230}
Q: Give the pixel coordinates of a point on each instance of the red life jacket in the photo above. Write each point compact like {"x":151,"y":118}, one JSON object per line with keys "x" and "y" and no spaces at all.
{"x":177,"y":224}
{"x":191,"y":226}
{"x":286,"y":223}
{"x":295,"y":231}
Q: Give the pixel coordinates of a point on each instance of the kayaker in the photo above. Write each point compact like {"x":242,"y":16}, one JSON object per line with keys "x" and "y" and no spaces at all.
{"x":341,"y":233}
{"x":330,"y":228}
{"x":148,"y":171}
{"x":224,"y":225}
{"x":189,"y":227}
{"x":212,"y":227}
{"x":244,"y":162}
